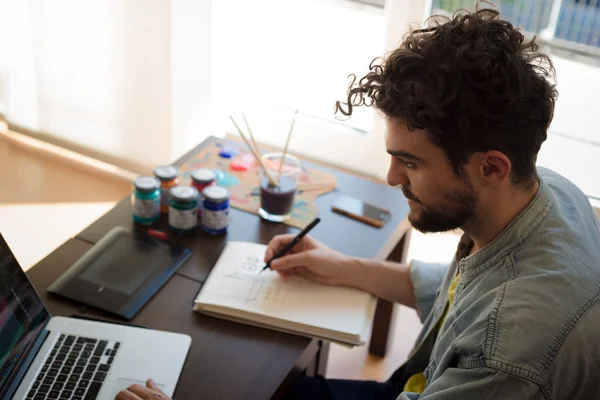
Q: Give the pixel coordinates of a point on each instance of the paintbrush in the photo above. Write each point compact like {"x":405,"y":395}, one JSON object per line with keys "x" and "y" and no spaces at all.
{"x":255,"y":153}
{"x":287,"y":143}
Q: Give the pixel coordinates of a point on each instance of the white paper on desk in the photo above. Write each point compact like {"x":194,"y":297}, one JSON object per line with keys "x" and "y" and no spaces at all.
{"x":236,"y":282}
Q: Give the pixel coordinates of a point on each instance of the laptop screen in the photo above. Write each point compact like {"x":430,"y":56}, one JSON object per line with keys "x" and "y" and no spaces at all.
{"x":22,"y":314}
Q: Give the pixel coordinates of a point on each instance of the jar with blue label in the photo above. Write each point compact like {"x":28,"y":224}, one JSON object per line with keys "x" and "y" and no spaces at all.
{"x":146,"y":200}
{"x":215,"y":210}
{"x":183,"y":208}
{"x":201,"y":179}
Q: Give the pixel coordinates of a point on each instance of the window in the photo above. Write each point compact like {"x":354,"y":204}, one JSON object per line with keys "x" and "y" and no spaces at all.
{"x":271,"y":57}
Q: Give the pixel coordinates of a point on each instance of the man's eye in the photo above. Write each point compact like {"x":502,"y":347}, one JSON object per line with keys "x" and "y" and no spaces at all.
{"x":407,"y":164}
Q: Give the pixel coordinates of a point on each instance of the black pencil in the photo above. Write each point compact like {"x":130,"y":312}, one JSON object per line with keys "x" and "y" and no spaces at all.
{"x":286,"y":249}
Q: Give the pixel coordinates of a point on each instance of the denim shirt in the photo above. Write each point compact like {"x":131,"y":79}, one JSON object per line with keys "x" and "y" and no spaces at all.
{"x":525,"y":322}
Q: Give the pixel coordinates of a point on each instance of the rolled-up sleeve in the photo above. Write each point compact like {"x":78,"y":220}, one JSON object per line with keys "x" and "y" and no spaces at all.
{"x":426,"y":279}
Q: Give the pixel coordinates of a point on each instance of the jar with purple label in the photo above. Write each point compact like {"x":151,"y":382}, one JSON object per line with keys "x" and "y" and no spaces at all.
{"x":215,"y":210}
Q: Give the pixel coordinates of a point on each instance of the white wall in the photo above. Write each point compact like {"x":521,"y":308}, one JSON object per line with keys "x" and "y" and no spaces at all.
{"x":17,"y":76}
{"x":190,"y":73}
{"x":103,"y":72}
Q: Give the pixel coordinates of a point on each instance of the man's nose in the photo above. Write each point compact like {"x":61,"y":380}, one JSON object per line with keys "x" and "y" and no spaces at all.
{"x":397,"y":175}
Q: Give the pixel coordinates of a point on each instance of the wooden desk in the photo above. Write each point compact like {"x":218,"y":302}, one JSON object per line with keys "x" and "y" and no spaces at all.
{"x":231,"y":360}
{"x":226,"y":360}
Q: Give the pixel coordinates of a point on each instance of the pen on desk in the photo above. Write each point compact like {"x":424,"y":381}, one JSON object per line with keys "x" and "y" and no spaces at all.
{"x":285,"y":249}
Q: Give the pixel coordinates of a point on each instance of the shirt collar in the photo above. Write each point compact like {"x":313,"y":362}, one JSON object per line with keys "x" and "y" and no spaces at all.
{"x":512,"y":236}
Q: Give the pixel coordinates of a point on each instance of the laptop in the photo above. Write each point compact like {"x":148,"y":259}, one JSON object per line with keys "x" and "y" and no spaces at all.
{"x":45,"y":357}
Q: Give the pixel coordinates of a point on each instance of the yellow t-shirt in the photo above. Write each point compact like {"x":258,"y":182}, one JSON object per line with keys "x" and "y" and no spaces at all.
{"x":416,"y":383}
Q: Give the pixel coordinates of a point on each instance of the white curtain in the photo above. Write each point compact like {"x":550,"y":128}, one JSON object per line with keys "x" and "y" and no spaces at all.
{"x":137,"y":82}
{"x":126,"y":80}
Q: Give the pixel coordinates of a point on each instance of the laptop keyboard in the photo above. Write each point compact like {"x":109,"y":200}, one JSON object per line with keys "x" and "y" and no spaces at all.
{"x":75,"y":369}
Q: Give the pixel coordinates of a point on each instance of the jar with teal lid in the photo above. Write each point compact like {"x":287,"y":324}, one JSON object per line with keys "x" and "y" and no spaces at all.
{"x":183,"y":208}
{"x":146,"y":200}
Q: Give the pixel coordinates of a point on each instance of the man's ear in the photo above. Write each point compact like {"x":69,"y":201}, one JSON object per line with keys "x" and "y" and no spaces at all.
{"x":495,"y":166}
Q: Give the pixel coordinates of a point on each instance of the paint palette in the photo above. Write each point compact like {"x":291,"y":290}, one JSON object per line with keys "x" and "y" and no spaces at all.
{"x":243,"y":183}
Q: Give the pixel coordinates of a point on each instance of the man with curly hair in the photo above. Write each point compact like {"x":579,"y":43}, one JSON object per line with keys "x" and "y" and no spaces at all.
{"x":516,"y":314}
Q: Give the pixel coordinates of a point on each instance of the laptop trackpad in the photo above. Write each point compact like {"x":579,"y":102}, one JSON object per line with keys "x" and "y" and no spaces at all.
{"x":125,"y":383}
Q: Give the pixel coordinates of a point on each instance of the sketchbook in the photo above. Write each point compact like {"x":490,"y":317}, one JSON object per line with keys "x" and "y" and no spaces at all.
{"x":236,"y":289}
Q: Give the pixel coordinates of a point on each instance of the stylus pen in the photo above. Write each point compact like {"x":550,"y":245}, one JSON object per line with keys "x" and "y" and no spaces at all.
{"x":286,"y":249}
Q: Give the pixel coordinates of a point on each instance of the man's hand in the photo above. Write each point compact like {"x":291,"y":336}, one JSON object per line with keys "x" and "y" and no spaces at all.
{"x":312,"y":260}
{"x":317,"y":262}
{"x":139,"y":392}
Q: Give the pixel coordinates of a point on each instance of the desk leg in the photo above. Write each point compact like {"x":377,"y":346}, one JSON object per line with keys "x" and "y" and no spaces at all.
{"x":322,"y":357}
{"x":380,"y":334}
{"x":384,"y":313}
{"x":318,"y":365}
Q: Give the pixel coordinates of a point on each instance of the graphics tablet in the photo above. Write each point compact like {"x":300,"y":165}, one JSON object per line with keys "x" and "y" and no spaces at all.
{"x":121,"y":272}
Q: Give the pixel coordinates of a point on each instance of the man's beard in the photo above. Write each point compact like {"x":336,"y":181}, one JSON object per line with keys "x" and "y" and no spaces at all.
{"x":452,"y":213}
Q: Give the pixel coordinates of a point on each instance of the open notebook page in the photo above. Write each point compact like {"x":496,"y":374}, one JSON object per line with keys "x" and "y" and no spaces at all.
{"x":236,"y":282}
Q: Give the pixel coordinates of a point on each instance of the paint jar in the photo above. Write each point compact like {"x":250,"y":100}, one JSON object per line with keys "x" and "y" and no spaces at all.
{"x":145,"y":199}
{"x":201,"y":179}
{"x":183,"y":208}
{"x":167,"y":174}
{"x":215,"y":210}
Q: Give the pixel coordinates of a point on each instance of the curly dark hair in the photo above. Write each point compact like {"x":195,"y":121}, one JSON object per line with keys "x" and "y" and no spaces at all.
{"x":472,"y":83}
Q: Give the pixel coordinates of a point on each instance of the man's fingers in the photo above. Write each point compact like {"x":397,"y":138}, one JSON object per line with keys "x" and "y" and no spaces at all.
{"x":268,"y":254}
{"x":139,"y":390}
{"x":281,"y":240}
{"x":276,"y":243}
{"x":152,"y":385}
{"x":303,"y":272}
{"x":291,"y":261}
{"x":126,"y":395}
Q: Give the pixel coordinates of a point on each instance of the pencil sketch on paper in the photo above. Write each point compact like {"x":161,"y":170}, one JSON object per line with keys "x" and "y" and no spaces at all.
{"x":246,"y":284}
